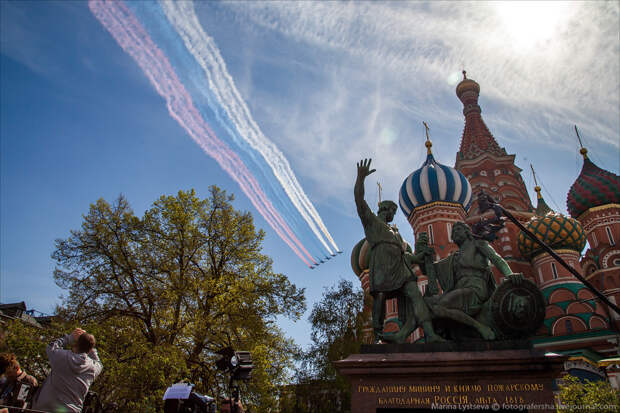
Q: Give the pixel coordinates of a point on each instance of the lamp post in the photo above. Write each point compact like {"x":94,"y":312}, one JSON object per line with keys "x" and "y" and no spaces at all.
{"x":239,"y":365}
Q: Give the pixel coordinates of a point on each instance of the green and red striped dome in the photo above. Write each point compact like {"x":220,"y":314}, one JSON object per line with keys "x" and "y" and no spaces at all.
{"x":594,"y":187}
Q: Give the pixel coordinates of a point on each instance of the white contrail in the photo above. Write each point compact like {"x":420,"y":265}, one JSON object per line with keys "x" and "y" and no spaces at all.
{"x":183,"y":17}
{"x":134,"y":40}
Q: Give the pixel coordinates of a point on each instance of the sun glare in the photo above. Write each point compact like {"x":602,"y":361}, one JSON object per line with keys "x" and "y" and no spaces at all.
{"x":532,"y":22}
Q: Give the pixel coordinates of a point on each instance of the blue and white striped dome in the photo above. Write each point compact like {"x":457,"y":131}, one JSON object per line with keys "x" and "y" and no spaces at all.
{"x":434,"y":182}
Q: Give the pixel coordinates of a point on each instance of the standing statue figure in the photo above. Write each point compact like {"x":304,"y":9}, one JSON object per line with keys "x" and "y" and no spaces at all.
{"x":467,"y":282}
{"x":390,"y":266}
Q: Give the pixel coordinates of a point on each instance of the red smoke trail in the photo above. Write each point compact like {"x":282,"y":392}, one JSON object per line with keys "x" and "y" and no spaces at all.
{"x":134,"y":39}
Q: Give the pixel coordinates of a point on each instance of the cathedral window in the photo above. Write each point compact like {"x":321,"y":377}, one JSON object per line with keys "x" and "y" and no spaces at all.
{"x":594,"y":240}
{"x":496,"y":172}
{"x":483,"y":173}
{"x":569,"y":326}
{"x":431,"y":238}
{"x":610,"y":236}
{"x":449,"y":231}
{"x":554,"y":270}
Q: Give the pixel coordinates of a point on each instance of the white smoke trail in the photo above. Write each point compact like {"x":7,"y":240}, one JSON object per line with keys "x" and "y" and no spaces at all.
{"x":132,"y":37}
{"x":183,"y":18}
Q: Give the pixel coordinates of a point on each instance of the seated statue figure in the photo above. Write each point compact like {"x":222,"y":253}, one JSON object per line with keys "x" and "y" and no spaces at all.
{"x":468,"y":283}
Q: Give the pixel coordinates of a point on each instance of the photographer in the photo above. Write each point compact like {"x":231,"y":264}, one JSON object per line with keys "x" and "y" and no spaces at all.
{"x":13,"y":379}
{"x":73,"y":371}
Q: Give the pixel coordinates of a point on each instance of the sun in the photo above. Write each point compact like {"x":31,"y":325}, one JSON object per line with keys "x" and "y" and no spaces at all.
{"x":528,"y":23}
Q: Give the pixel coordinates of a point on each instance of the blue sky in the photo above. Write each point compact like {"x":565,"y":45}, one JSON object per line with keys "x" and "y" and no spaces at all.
{"x":328,"y":83}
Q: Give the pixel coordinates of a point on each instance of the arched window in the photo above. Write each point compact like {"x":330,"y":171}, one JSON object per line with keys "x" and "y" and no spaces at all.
{"x":610,"y":236}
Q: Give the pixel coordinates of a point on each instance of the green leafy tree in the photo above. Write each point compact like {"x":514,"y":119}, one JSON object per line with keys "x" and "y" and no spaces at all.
{"x":337,"y":323}
{"x":28,"y":344}
{"x":169,"y":289}
{"x":588,"y":396}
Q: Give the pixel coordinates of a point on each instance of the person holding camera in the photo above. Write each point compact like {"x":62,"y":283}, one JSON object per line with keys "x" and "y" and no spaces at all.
{"x":73,"y":371}
{"x":15,"y":385}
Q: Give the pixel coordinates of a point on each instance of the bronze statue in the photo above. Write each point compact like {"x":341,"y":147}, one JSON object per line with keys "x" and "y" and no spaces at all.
{"x":390,"y":265}
{"x":468,"y":283}
{"x":470,"y":305}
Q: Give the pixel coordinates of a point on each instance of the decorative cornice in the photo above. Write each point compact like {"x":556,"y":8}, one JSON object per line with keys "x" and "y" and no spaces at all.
{"x":600,"y":271}
{"x":596,"y":209}
{"x":507,"y":159}
{"x":540,"y":255}
{"x":436,"y":204}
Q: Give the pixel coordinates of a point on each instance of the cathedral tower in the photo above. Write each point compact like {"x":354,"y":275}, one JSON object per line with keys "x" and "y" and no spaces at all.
{"x":594,"y":200}
{"x":489,"y":168}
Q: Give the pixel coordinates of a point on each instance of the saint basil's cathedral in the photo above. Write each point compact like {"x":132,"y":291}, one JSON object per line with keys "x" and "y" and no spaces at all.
{"x":576,"y":324}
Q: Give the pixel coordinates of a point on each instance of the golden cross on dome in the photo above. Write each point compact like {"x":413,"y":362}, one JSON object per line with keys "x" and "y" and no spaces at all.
{"x":534,"y":173}
{"x":536,"y":188}
{"x":583,"y":151}
{"x":428,"y":143}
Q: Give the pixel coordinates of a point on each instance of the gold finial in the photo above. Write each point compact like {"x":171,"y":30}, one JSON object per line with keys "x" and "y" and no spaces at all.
{"x":428,"y":143}
{"x":583,"y":151}
{"x":464,"y":75}
{"x":536,"y":188}
{"x":379,"y":189}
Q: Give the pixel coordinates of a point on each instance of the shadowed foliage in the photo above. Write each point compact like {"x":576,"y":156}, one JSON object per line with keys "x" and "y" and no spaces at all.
{"x":337,"y":323}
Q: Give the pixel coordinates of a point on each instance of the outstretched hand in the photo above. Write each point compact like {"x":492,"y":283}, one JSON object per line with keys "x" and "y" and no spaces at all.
{"x":363,"y":168}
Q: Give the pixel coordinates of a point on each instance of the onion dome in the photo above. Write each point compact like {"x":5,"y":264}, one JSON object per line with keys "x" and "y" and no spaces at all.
{"x":556,"y":230}
{"x":467,"y":85}
{"x":477,"y":139}
{"x":360,"y":258}
{"x":594,"y":187}
{"x":434,"y":182}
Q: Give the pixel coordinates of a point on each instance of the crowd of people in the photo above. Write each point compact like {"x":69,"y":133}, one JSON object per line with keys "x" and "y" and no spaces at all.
{"x":74,"y":365}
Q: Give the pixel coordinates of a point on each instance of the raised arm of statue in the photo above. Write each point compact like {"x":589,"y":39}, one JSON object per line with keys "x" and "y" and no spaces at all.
{"x":363,"y":170}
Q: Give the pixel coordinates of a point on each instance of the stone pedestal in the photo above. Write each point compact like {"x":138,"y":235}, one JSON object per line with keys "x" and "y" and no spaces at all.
{"x":478,"y":376}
